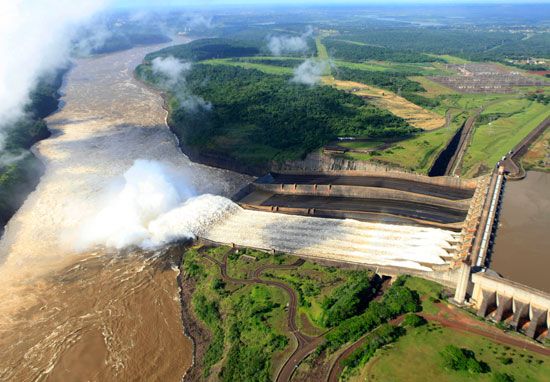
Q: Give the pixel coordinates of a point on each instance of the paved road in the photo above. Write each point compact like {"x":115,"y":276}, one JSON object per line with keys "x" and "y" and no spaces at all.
{"x":450,"y":318}
{"x":306,"y":344}
{"x":408,"y":209}
{"x":510,"y":163}
{"x":377,"y":181}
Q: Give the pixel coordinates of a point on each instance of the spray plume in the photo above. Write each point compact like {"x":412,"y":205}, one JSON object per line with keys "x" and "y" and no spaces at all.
{"x":150,"y":206}
{"x":35,"y":39}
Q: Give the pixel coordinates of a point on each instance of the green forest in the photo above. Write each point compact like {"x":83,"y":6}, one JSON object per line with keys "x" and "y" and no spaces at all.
{"x":20,"y":176}
{"x":258,"y":117}
{"x":355,"y":52}
{"x":205,"y":49}
{"x":468,"y":44}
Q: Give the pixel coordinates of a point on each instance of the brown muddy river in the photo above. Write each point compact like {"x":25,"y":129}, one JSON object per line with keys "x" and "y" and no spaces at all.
{"x":97,"y":315}
{"x":522,"y":248}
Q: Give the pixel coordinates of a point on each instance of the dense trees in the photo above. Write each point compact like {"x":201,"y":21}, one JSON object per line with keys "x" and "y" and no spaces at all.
{"x":382,"y":336}
{"x":394,"y":81}
{"x":469,"y":44}
{"x":349,"y":299}
{"x":458,"y":359}
{"x":398,"y":300}
{"x":19,"y":174}
{"x":358,"y":52}
{"x":257,"y":117}
{"x":208,"y":48}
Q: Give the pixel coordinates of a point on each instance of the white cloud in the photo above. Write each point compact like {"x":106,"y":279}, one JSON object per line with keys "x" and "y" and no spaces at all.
{"x":310,"y":72}
{"x":279,"y":45}
{"x":152,"y":206}
{"x":35,"y":38}
{"x":171,"y":68}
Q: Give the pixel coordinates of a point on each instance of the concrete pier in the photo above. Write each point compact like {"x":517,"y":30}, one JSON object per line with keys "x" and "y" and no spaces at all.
{"x":524,"y":303}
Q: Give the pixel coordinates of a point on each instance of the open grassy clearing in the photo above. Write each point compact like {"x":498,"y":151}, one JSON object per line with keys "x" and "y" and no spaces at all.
{"x":433,"y":89}
{"x":413,"y":114}
{"x":451,"y":59}
{"x":494,"y":139}
{"x":269,"y":69}
{"x":360,"y":145}
{"x":321,"y":49}
{"x":538,"y":156}
{"x":417,"y":153}
{"x":415,"y":357}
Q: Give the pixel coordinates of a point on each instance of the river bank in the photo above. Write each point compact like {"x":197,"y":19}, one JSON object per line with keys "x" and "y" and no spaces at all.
{"x":73,"y":315}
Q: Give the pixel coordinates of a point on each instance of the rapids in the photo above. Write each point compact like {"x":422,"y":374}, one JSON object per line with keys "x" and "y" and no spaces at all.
{"x":97,"y":314}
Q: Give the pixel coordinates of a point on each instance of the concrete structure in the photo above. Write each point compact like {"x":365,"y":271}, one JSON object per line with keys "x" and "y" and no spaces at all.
{"x":524,"y":309}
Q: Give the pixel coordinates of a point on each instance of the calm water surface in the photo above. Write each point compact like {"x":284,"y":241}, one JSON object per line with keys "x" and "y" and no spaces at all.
{"x":522,"y":248}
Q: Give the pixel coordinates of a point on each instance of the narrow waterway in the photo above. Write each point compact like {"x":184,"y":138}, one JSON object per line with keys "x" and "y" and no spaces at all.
{"x":99,"y":315}
{"x":522,"y":248}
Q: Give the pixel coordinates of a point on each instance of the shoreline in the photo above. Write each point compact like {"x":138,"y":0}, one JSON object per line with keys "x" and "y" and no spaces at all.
{"x":210,"y":159}
{"x":192,"y":328}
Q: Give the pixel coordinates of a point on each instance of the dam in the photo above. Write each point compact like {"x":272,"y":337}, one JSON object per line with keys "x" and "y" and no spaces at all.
{"x":373,"y":216}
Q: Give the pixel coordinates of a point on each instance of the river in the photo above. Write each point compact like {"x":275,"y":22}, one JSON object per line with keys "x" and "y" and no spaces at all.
{"x":522,"y":248}
{"x":95,"y":315}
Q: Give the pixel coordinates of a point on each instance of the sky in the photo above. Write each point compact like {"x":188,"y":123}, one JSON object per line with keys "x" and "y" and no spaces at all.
{"x":207,"y":3}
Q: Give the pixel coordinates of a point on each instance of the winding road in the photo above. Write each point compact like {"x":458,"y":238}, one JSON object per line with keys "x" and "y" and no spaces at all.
{"x":306,"y":344}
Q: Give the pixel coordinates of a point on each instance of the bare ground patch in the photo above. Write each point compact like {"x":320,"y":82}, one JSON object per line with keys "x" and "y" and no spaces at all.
{"x":385,"y":99}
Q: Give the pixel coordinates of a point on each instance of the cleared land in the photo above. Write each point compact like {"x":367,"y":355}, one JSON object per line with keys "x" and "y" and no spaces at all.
{"x":417,"y":153}
{"x":538,"y":156}
{"x":385,"y":99}
{"x":417,"y":354}
{"x":492,"y":140}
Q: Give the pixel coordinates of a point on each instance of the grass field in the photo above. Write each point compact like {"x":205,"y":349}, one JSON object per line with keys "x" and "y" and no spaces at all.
{"x":360,"y":145}
{"x":494,"y":139}
{"x":433,"y":89}
{"x":538,"y":156}
{"x":385,"y":99}
{"x":417,"y":153}
{"x":269,"y":69}
{"x":321,"y":49}
{"x":415,"y":357}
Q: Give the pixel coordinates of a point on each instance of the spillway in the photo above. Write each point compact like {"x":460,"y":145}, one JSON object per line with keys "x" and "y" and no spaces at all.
{"x":341,"y":240}
{"x":68,"y":314}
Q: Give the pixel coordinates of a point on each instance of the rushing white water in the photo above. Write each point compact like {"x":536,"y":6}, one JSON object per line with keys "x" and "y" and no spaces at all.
{"x":108,"y":121}
{"x":347,"y":240}
{"x":115,"y":177}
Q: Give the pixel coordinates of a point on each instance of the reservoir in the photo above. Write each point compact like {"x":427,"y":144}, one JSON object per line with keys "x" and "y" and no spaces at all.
{"x":522,"y":248}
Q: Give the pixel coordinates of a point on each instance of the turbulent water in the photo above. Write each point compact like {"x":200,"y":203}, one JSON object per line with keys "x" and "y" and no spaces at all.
{"x":95,"y":315}
{"x":115,"y":178}
{"x":348,"y":240}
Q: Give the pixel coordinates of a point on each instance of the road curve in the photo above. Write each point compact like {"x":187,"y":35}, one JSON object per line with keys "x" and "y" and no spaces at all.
{"x":306,"y":344}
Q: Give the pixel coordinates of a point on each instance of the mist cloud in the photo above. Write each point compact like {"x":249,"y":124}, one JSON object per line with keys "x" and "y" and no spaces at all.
{"x":171,"y":68}
{"x":150,"y":206}
{"x":35,"y":38}
{"x":310,"y":72}
{"x":174,"y":72}
{"x":279,"y":45}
